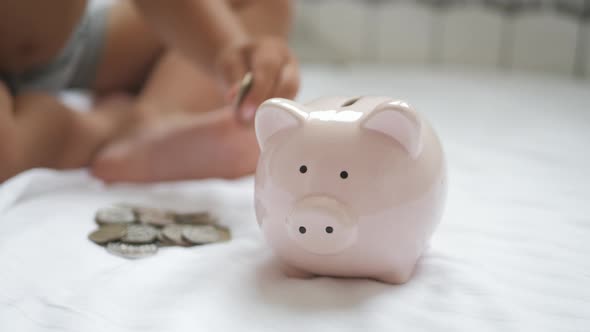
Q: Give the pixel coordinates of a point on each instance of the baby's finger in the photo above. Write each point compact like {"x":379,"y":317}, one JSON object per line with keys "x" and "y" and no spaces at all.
{"x":232,"y":93}
{"x":266,"y":68}
{"x":288,"y":84}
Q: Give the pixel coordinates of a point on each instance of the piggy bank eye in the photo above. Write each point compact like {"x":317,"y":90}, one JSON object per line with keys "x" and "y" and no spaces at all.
{"x":344,"y":174}
{"x":302,"y":169}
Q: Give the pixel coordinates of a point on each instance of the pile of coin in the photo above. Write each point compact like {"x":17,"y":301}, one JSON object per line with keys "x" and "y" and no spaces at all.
{"x":138,"y":232}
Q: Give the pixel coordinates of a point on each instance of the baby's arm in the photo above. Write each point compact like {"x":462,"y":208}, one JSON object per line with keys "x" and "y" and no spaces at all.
{"x":209,"y":32}
{"x":200,"y":29}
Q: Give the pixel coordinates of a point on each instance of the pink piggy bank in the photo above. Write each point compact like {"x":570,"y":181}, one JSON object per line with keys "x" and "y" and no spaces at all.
{"x":348,"y":187}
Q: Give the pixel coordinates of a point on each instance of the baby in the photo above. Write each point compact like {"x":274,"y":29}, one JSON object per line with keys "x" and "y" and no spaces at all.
{"x":166,"y":74}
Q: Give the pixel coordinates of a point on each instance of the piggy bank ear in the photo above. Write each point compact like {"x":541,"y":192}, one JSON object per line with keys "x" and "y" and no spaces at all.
{"x":399,"y":121}
{"x":275,"y":115}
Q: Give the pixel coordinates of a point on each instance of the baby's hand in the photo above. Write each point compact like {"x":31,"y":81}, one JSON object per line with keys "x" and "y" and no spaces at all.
{"x":274,"y":70}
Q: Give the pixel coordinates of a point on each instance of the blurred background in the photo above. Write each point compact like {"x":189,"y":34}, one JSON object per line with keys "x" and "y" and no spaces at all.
{"x":549,"y":36}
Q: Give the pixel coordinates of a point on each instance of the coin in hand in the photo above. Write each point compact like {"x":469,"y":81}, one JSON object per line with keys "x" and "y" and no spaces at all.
{"x":245,"y":86}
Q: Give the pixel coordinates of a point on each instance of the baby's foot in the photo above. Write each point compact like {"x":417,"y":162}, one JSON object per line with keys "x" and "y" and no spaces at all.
{"x":180,"y":146}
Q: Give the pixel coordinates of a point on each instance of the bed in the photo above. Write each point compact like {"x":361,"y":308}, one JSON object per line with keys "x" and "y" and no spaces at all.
{"x":511,"y":253}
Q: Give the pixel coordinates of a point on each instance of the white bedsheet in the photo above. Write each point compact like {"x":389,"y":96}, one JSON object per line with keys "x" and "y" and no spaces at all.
{"x":510,"y":255}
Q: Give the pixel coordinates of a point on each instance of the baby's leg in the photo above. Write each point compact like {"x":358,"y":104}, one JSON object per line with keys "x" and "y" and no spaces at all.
{"x":36,"y":130}
{"x":184,"y":132}
{"x":129,"y":53}
{"x":189,"y":131}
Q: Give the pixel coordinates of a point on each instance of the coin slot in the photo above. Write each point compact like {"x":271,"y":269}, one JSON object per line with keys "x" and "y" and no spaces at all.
{"x":350,"y":102}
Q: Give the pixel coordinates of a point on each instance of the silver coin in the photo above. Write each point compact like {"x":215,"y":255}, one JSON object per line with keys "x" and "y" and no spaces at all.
{"x":201,"y":234}
{"x":155,"y":217}
{"x":224,"y":233}
{"x":115,"y":215}
{"x":173,"y":233}
{"x":163,"y":241}
{"x":196,"y":218}
{"x":108,"y":233}
{"x":245,"y":86}
{"x":140,"y":234}
{"x":132,"y":251}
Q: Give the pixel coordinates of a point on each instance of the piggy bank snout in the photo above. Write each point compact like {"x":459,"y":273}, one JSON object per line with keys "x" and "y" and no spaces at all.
{"x":322,"y":225}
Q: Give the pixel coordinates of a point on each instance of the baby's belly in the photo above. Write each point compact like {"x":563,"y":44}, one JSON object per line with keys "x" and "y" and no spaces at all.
{"x":32,"y":32}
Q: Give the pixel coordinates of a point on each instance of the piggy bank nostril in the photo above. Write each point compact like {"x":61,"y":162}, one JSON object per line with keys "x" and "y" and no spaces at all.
{"x":329,"y":229}
{"x":302,"y":230}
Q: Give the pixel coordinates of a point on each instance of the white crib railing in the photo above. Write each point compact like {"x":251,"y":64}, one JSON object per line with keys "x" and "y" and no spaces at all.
{"x":539,"y":35}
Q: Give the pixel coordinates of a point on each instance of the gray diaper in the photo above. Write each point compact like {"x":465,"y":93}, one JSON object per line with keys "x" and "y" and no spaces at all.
{"x":74,"y":67}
